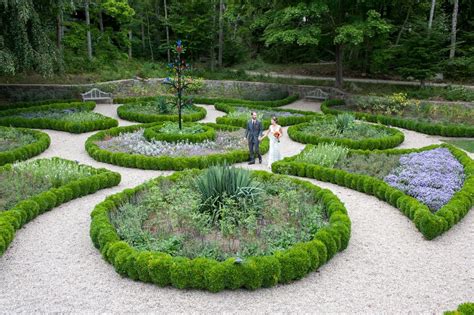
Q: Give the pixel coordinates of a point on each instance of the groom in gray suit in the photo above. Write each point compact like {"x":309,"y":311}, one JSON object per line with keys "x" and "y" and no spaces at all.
{"x":252,"y":133}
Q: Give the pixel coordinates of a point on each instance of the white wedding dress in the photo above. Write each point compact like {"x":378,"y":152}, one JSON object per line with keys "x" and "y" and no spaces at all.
{"x":274,"y":152}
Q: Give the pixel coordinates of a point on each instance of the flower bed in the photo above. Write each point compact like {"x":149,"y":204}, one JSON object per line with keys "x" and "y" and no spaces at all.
{"x":431,"y":223}
{"x":463,"y":128}
{"x":345,"y":131}
{"x":239,"y":115}
{"x":157,"y":259}
{"x":18,"y":144}
{"x":170,"y":132}
{"x":126,"y":146}
{"x":72,"y":117}
{"x":31,"y":188}
{"x":158,"y":110}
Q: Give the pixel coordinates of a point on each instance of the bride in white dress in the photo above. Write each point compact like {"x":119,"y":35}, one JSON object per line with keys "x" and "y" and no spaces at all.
{"x":274,"y":134}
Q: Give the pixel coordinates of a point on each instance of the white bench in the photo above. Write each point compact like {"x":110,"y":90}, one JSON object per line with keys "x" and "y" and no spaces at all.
{"x":97,"y":96}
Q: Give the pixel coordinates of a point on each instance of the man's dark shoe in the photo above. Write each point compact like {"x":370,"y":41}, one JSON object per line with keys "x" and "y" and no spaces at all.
{"x":260,"y":160}
{"x":251,"y":162}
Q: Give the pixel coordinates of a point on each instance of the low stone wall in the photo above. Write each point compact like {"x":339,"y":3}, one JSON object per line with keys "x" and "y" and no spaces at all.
{"x":126,"y":88}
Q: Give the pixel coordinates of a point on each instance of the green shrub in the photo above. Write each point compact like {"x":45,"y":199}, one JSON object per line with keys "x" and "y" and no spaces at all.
{"x":324,"y":154}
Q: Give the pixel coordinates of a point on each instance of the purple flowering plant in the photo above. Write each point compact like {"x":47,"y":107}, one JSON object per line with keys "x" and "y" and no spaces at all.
{"x":432,"y":177}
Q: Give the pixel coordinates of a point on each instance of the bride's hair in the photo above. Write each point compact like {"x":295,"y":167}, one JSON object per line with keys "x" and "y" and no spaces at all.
{"x":275,"y":119}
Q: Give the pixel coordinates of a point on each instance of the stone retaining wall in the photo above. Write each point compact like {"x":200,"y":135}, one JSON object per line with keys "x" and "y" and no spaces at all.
{"x":125,"y":88}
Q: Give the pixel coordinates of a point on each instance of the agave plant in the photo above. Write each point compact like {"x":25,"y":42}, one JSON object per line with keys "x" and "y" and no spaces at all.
{"x":344,"y":122}
{"x":219,"y":183}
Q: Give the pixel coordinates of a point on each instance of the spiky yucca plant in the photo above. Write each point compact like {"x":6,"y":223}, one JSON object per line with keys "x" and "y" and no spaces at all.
{"x":220,"y":182}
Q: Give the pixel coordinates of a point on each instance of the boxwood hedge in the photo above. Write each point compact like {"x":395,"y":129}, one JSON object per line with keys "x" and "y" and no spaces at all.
{"x":429,"y":224}
{"x":154,"y":133}
{"x":164,"y":162}
{"x":396,"y":137}
{"x":447,"y":130}
{"x":42,"y":142}
{"x":6,"y":118}
{"x":28,"y":209}
{"x":463,"y":309}
{"x":208,"y":274}
{"x":214,"y":100}
{"x":283,"y":120}
{"x":37,"y":103}
{"x":126,"y":112}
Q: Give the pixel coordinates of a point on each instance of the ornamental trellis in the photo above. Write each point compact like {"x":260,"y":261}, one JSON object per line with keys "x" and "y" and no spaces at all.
{"x":177,"y":80}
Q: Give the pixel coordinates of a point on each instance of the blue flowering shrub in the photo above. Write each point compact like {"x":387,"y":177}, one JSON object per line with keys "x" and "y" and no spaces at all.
{"x":432,"y":177}
{"x":433,"y":186}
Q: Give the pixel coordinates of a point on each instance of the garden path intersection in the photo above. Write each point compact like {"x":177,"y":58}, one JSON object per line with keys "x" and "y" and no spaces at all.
{"x":388,"y":267}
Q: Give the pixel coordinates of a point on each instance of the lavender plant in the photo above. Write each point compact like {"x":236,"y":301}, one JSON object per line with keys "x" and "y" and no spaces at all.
{"x":432,"y":177}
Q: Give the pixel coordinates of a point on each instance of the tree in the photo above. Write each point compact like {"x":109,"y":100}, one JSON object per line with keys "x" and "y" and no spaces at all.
{"x":421,"y":50}
{"x":221,"y":32}
{"x":452,"y":49}
{"x":307,"y":22}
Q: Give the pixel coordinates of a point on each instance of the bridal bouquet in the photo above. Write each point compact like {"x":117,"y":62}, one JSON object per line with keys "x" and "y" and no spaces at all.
{"x":277,"y":135}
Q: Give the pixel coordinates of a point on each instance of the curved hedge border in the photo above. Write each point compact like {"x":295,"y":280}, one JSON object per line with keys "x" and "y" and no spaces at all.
{"x":164,"y":162}
{"x":463,"y":309}
{"x":125,"y":112}
{"x":208,"y":274}
{"x":55,"y":124}
{"x":212,"y":101}
{"x":395,"y":138}
{"x":28,"y":209}
{"x":283,"y":121}
{"x":429,"y":224}
{"x":153,"y":133}
{"x":37,"y":103}
{"x":447,"y":130}
{"x":27,"y":151}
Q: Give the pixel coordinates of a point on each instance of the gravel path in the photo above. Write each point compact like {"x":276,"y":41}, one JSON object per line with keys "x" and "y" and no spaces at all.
{"x":388,"y":267}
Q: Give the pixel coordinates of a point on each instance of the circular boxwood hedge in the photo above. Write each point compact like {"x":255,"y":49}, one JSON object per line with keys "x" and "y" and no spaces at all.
{"x":154,"y":133}
{"x":127,"y":112}
{"x":396,"y":137}
{"x":164,"y":162}
{"x":42,"y":142}
{"x":209,"y":274}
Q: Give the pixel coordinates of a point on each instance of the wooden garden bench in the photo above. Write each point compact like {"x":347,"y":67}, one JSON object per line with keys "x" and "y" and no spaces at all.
{"x":97,"y":96}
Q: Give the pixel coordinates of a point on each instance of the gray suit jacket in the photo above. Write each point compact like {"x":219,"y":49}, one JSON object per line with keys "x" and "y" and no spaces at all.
{"x":253,"y":131}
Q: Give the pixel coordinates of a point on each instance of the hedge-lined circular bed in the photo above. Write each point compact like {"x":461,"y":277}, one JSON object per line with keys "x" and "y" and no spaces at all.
{"x":159,"y":262}
{"x":33,"y":187}
{"x":426,"y":126}
{"x":433,"y":186}
{"x":150,"y":111}
{"x":18,"y":144}
{"x":343,"y":130}
{"x":127,"y":146}
{"x":74,"y":117}
{"x":239,"y":115}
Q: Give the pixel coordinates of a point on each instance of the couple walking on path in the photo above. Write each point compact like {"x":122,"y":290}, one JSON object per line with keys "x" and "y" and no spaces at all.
{"x":254,"y":134}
